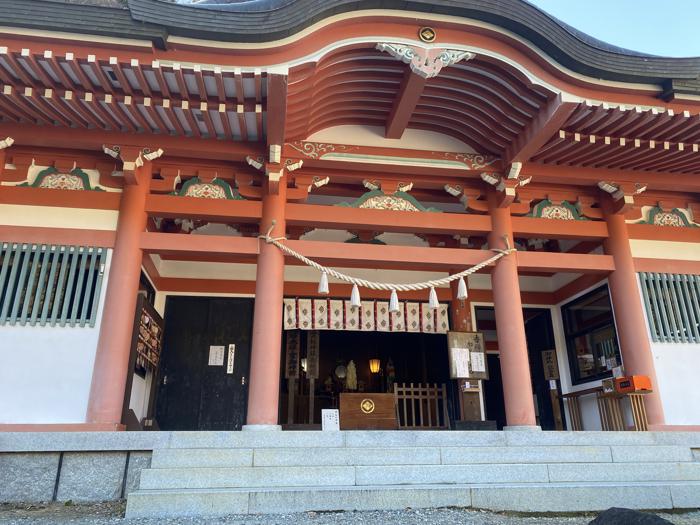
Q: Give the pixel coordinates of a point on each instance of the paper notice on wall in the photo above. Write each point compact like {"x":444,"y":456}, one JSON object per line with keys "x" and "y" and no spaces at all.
{"x":231,"y":358}
{"x":330,"y":420}
{"x":459,"y":362}
{"x":216,"y":355}
{"x":478,"y":362}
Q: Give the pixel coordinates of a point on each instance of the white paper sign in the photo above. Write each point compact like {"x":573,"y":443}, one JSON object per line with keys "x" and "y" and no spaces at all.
{"x":231,"y":357}
{"x":478,"y":362}
{"x":330,"y":420}
{"x":216,"y":355}
{"x":552,"y":384}
{"x":459,"y":362}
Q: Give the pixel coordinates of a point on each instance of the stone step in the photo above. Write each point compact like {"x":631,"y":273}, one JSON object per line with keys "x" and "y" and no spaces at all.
{"x":222,"y":477}
{"x":339,"y":456}
{"x":533,"y":497}
{"x":275,"y":476}
{"x":377,"y":439}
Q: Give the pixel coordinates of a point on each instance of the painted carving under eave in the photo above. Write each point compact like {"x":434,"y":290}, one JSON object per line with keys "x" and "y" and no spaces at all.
{"x":215,"y":189}
{"x":53,"y":179}
{"x":425,"y":62}
{"x":546,"y":209}
{"x":677,"y":218}
{"x":376,"y":199}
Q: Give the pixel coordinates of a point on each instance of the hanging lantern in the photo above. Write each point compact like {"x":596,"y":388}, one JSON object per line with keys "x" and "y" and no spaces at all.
{"x":323,"y":284}
{"x":462,"y":290}
{"x":374,"y":365}
{"x":433,"y":300}
{"x":394,"y":302}
{"x":355,"y":297}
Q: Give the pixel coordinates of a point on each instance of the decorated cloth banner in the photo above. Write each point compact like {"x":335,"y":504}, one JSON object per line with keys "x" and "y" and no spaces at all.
{"x":371,"y":316}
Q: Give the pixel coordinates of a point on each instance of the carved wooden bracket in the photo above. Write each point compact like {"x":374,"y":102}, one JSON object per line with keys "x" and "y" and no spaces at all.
{"x":132,"y":157}
{"x":274,"y":171}
{"x":507,"y":185}
{"x":622,"y":194}
{"x":425,"y":62}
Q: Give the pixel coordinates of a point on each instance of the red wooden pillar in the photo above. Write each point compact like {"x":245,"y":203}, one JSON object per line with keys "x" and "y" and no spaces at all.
{"x":264,"y":390}
{"x":510,"y":325}
{"x":114,"y":343}
{"x":629,"y":314}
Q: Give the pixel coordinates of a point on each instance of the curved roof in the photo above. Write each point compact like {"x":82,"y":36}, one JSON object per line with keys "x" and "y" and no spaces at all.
{"x":268,"y":20}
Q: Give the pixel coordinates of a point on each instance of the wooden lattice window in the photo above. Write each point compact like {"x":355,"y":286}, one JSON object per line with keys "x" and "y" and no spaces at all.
{"x":50,"y":285}
{"x":672,"y":303}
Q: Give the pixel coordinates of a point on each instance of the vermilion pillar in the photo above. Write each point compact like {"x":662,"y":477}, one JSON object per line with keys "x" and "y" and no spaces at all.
{"x":114,"y":344}
{"x":264,"y":389}
{"x":510,"y":325}
{"x":629,"y":314}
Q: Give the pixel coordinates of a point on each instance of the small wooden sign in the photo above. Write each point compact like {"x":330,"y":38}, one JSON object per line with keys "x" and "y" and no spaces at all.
{"x":365,"y":411}
{"x":467,"y":355}
{"x":312,"y":345}
{"x":550,"y":364}
{"x":291,"y":369}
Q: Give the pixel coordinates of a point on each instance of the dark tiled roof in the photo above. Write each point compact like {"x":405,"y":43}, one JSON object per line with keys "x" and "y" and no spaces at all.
{"x":267,"y":20}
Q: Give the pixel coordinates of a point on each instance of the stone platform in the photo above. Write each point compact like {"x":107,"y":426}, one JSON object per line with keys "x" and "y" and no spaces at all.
{"x":216,"y":473}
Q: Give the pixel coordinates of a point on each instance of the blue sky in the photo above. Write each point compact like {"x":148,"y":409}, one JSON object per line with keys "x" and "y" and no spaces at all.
{"x":666,"y":28}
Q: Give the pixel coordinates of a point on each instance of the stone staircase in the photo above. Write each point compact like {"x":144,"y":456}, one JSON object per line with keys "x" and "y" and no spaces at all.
{"x":218,"y":473}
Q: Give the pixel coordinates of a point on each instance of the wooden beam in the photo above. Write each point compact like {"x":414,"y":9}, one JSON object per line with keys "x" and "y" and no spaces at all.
{"x":532,"y":227}
{"x":172,"y":207}
{"x":339,"y":253}
{"x":96,"y":200}
{"x":173,"y":243}
{"x":93,"y":139}
{"x":44,"y":235}
{"x":405,"y":103}
{"x":276,"y":109}
{"x":339,"y":217}
{"x":538,"y":131}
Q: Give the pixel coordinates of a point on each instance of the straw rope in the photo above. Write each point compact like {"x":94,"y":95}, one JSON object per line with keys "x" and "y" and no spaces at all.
{"x":425,"y":285}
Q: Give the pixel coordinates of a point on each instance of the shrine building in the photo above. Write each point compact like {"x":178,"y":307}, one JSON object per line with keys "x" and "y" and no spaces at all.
{"x":425,"y":215}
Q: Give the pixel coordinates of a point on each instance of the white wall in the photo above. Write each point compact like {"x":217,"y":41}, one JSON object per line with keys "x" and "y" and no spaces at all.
{"x":45,"y":372}
{"x":677,"y":366}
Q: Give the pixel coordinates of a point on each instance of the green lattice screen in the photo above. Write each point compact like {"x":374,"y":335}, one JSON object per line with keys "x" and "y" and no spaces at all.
{"x":50,"y":285}
{"x":673,"y":306}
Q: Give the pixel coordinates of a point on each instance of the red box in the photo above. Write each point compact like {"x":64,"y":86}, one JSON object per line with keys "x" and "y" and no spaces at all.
{"x":630,"y":384}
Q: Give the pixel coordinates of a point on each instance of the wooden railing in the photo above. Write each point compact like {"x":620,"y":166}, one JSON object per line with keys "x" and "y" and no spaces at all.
{"x":421,"y":406}
{"x":609,"y":409}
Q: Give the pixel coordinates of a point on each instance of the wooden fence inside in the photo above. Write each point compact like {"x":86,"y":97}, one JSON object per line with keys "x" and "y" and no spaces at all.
{"x":421,"y":406}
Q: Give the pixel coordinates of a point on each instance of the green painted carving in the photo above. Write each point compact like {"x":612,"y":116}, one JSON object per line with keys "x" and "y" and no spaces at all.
{"x":216,"y":189}
{"x":378,"y":200}
{"x":546,"y":209}
{"x":660,"y":217}
{"x":51,"y":178}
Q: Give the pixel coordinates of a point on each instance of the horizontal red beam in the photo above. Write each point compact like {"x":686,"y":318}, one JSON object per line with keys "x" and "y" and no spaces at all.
{"x":373,"y":255}
{"x":531,"y":227}
{"x":170,"y":206}
{"x":93,"y":139}
{"x":95,"y":200}
{"x":339,"y":217}
{"x":663,"y":233}
{"x":44,"y":235}
{"x":173,"y":243}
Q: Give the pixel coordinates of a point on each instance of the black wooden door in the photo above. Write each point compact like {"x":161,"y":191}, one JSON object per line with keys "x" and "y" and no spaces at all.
{"x":194,"y":395}
{"x":540,"y":337}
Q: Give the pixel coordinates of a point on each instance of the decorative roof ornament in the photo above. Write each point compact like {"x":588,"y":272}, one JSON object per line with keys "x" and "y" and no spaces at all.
{"x":426,"y":63}
{"x":6,"y":142}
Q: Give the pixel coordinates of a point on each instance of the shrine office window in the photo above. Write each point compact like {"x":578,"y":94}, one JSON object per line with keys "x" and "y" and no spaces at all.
{"x":591,"y":339}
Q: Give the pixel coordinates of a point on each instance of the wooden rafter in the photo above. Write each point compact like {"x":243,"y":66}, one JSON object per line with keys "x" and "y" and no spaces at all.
{"x":539,"y":130}
{"x":405,"y":103}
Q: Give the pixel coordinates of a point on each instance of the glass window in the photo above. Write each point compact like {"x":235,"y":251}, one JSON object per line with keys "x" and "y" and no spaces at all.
{"x":591,"y":339}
